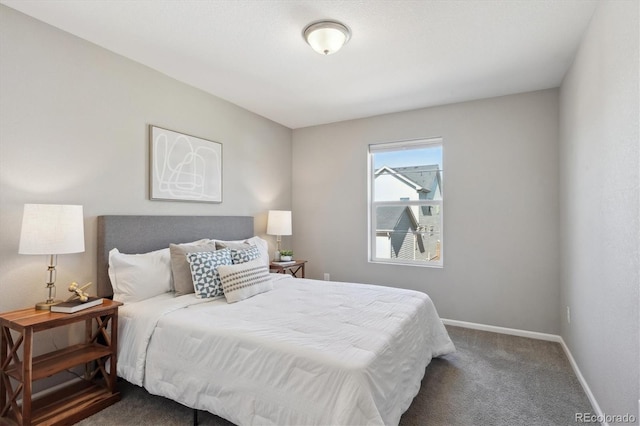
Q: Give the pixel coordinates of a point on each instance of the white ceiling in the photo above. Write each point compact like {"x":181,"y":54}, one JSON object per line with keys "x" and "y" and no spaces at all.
{"x":402,"y":55}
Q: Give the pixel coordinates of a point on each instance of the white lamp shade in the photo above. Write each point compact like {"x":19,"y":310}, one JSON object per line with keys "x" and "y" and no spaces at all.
{"x":52,"y":229}
{"x":326,"y":37}
{"x":279,"y":222}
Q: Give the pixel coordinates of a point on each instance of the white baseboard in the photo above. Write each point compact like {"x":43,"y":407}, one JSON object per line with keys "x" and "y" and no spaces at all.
{"x":583,"y":382}
{"x":503,"y":330}
{"x":539,"y":336}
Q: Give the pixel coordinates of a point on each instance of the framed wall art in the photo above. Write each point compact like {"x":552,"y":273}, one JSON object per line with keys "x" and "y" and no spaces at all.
{"x":183,"y":167}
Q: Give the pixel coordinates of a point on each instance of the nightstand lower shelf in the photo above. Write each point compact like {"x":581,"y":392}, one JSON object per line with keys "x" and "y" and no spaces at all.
{"x":63,"y":359}
{"x":72,"y":403}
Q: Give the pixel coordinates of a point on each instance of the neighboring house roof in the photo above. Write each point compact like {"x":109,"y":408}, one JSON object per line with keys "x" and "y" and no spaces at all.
{"x":398,"y":221}
{"x":388,"y":218}
{"x":426,"y":177}
{"x":400,"y":176}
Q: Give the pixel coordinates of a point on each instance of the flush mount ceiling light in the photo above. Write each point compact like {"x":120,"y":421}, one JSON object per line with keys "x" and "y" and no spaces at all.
{"x":326,"y":37}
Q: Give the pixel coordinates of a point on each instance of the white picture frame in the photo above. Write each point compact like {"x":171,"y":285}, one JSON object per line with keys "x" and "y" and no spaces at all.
{"x":184,"y":167}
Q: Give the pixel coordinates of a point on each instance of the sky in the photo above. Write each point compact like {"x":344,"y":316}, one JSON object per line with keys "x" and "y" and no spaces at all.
{"x":409,"y":157}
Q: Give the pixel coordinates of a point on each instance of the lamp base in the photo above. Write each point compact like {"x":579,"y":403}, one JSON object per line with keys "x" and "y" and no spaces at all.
{"x":46,"y":306}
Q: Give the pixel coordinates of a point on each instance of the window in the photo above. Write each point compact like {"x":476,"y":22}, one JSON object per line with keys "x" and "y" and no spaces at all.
{"x":405,"y":202}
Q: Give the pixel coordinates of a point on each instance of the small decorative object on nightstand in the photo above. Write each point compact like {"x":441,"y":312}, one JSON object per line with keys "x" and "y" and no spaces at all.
{"x":78,"y":292}
{"x":286,"y":255}
{"x":71,"y":403}
{"x":79,"y":301}
{"x":293,"y":267}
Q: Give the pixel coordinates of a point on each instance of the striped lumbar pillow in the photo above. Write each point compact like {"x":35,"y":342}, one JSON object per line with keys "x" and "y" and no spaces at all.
{"x":244,"y":280}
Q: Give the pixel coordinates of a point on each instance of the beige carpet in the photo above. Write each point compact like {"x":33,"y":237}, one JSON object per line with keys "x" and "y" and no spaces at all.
{"x":492,"y":379}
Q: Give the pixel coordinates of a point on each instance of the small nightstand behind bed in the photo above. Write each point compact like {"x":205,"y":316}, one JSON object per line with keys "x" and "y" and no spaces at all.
{"x":294,"y":267}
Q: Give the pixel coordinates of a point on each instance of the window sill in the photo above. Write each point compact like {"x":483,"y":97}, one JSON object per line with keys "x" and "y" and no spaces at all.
{"x":419,"y":264}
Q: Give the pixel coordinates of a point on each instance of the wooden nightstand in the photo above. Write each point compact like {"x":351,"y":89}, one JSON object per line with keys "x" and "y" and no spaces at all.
{"x":71,"y":403}
{"x":292,"y":268}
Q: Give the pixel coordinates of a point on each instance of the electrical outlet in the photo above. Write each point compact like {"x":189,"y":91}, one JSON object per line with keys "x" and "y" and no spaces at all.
{"x":568,"y":315}
{"x":327,"y":277}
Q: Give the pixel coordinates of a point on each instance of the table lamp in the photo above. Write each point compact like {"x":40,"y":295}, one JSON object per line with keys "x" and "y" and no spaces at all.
{"x":279,"y":224}
{"x":51,"y":229}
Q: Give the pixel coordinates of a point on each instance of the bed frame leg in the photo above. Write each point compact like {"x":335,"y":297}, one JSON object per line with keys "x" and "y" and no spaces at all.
{"x":195,"y":417}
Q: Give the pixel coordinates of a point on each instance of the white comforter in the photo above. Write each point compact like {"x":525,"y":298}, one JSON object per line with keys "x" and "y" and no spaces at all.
{"x":307,"y":352}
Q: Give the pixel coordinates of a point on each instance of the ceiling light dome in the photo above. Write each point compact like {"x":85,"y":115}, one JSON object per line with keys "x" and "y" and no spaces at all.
{"x":326,"y":37}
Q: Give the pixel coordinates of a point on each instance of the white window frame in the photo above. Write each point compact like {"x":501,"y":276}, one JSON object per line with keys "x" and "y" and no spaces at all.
{"x":372,"y":204}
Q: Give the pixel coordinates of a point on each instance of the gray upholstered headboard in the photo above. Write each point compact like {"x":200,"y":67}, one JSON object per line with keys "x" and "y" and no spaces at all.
{"x":141,"y":234}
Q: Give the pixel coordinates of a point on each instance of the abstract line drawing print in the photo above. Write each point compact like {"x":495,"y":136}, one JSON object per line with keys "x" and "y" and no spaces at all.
{"x":185,"y":167}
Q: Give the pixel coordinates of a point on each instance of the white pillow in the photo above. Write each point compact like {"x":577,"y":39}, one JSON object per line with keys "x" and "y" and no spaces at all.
{"x":244,"y":280}
{"x":262,"y":245}
{"x":137,"y":277}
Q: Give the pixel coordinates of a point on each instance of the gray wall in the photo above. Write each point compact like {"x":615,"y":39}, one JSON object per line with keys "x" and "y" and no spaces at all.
{"x":500,"y":243}
{"x":74,"y":130}
{"x":600,"y":213}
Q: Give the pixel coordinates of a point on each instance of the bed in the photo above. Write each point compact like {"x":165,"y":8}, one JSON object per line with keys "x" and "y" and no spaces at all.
{"x":304,"y":352}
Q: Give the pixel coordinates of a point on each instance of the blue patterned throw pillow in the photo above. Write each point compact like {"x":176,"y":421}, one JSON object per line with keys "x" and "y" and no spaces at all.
{"x":204,"y":271}
{"x":244,"y":255}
